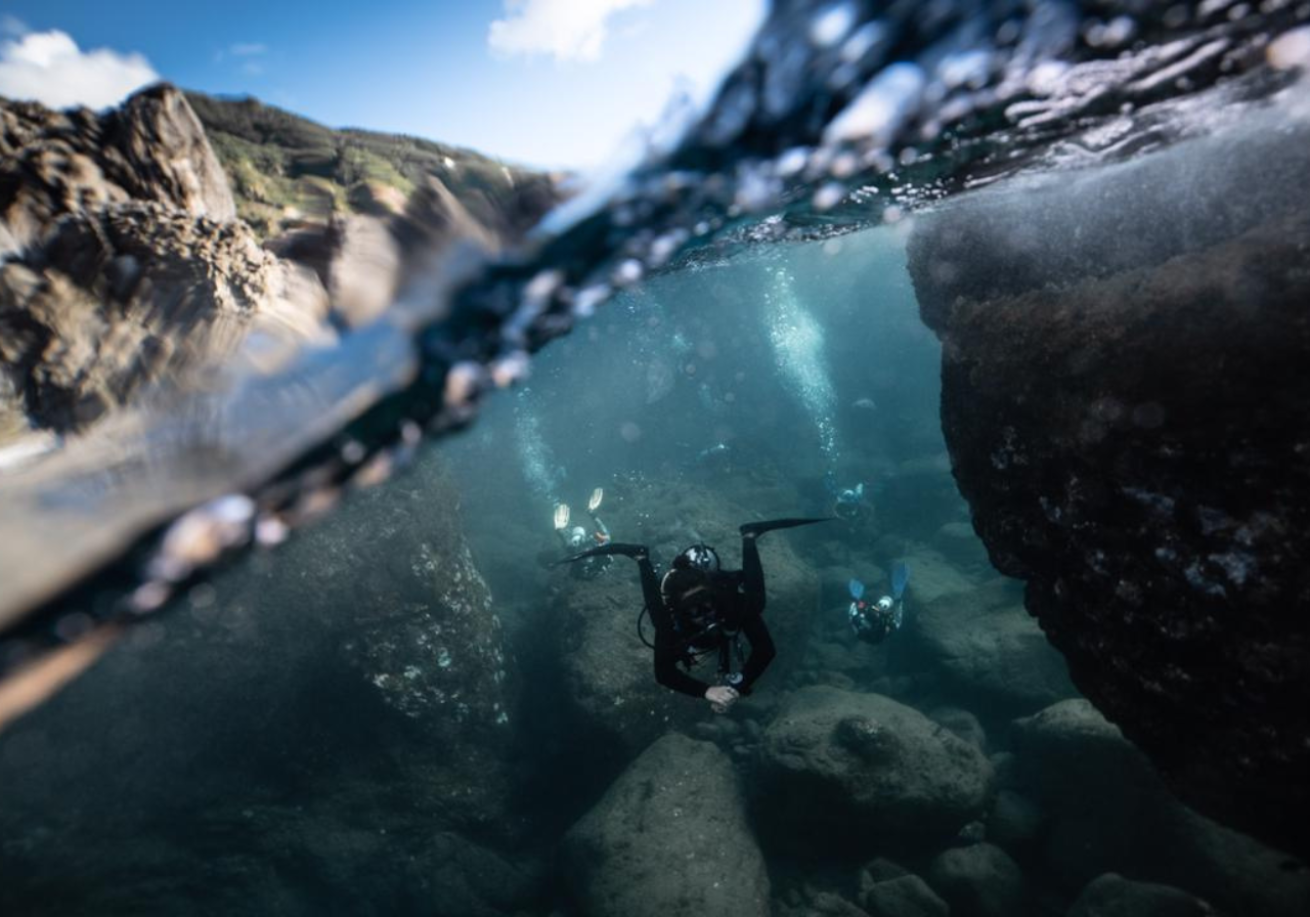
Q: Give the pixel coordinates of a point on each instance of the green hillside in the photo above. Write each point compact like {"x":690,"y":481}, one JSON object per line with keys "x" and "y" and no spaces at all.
{"x":286,"y":170}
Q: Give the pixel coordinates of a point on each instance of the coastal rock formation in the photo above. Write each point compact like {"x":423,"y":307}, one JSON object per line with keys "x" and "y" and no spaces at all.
{"x":121,"y":262}
{"x":669,"y":839}
{"x":55,"y":164}
{"x":1125,"y":403}
{"x":860,"y":772}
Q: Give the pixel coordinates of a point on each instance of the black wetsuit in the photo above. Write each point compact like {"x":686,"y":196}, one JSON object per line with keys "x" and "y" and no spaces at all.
{"x":738,"y":606}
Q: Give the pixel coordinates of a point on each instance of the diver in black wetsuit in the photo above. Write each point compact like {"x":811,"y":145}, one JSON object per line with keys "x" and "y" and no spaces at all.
{"x":698,"y":608}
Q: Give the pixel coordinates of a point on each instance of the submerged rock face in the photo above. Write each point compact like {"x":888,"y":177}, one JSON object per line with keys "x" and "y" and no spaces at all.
{"x":1125,"y":403}
{"x":669,"y":839}
{"x":861,"y":772}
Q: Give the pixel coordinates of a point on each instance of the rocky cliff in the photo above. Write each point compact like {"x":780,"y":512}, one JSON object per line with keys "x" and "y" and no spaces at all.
{"x":1125,"y":403}
{"x":127,"y":261}
{"x":121,"y":261}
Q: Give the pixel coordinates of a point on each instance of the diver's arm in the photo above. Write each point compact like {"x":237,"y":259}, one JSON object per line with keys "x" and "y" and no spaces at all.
{"x":762,"y":652}
{"x":670,"y":676}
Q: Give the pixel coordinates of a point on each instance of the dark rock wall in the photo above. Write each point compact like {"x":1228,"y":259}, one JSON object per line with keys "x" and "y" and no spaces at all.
{"x":1125,"y":402}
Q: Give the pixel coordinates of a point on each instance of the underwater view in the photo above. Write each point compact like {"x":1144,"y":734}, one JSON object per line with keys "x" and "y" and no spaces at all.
{"x":883,"y":493}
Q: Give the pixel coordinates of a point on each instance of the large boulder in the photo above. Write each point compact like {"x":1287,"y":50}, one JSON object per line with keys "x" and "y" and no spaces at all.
{"x":902,"y":896}
{"x":1124,"y":400}
{"x":860,"y":772}
{"x":669,"y":839}
{"x":978,"y":881}
{"x":990,"y":650}
{"x":1108,"y":811}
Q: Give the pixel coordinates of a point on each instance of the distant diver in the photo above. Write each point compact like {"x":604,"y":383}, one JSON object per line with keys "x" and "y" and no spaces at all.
{"x":874,"y":622}
{"x":848,"y":502}
{"x":577,"y":538}
{"x":698,"y":608}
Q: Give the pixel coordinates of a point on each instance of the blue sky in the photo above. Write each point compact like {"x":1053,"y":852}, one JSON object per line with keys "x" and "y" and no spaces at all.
{"x":557,"y":83}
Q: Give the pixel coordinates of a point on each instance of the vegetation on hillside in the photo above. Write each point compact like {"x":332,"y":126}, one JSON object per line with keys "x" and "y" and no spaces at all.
{"x":286,"y":170}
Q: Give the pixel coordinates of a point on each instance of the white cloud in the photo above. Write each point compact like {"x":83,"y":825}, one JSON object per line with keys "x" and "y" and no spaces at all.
{"x":248,"y":49}
{"x":49,"y":68}
{"x":569,"y":30}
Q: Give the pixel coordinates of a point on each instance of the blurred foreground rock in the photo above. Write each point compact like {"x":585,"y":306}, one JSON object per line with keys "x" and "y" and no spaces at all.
{"x":360,"y":683}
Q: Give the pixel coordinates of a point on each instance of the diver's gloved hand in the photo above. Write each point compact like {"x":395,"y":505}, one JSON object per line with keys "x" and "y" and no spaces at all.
{"x":721,"y":698}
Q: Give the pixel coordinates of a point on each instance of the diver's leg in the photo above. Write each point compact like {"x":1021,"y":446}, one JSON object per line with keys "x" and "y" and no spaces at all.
{"x":762,"y":653}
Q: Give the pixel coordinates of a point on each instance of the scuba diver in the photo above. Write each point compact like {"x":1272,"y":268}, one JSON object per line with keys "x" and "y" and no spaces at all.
{"x":848,"y":502}
{"x":698,"y":608}
{"x":577,"y":538}
{"x":874,"y":622}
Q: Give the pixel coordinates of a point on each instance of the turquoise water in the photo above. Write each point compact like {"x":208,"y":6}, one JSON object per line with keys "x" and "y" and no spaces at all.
{"x":410,"y":708}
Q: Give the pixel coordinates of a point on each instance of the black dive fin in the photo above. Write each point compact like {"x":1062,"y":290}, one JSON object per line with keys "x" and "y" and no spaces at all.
{"x":634,"y":551}
{"x":759,"y":528}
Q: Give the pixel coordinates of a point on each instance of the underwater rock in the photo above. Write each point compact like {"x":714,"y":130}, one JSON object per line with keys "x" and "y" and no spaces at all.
{"x":1108,"y":811}
{"x":1114,"y":896}
{"x":990,"y":650}
{"x":931,"y":576}
{"x":904,"y":896}
{"x":963,"y":723}
{"x":861,"y":772}
{"x":959,"y":544}
{"x":468,"y":880}
{"x":669,"y":839}
{"x":1014,"y":820}
{"x":978,"y":881}
{"x":1124,"y":400}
